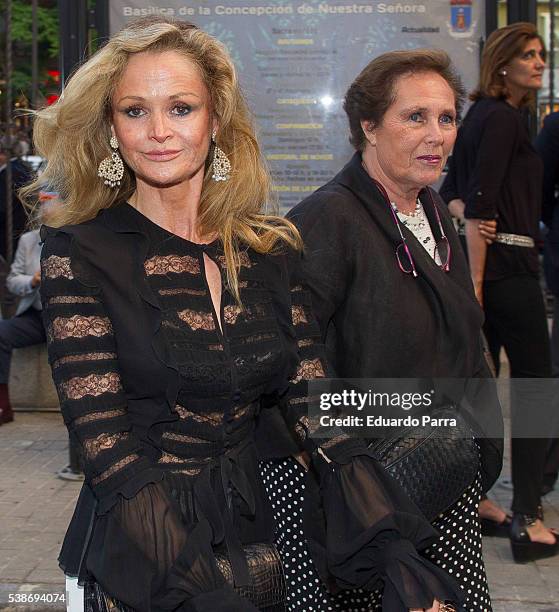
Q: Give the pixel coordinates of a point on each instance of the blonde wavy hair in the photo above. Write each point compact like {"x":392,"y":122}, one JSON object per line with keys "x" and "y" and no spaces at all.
{"x":73,"y":135}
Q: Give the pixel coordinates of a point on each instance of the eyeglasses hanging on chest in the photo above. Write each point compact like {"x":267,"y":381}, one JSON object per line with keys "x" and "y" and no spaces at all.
{"x":403,"y":254}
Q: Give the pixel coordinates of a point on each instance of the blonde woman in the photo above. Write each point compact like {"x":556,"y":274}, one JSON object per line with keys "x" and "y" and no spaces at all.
{"x":177,"y":327}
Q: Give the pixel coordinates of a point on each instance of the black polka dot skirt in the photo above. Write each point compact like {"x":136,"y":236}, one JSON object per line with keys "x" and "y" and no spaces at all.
{"x":458,"y":550}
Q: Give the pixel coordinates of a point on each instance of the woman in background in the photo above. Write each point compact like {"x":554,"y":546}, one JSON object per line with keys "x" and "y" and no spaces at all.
{"x":496,"y":174}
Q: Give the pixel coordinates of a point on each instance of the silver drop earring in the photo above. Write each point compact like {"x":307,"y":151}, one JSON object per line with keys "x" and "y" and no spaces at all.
{"x":111,"y":169}
{"x":221,"y":165}
{"x":503,"y":72}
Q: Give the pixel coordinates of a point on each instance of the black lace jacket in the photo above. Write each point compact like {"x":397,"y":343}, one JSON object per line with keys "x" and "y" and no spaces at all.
{"x":172,"y":414}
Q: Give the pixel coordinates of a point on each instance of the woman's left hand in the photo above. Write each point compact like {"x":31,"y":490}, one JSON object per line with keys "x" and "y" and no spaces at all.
{"x":488,"y":229}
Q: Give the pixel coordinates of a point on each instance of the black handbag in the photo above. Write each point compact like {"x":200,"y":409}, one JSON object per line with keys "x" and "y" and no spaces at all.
{"x":267,"y":589}
{"x":434,"y":465}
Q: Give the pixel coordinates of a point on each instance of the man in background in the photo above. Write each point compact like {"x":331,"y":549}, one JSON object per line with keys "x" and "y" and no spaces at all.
{"x":26,"y":327}
{"x":21,"y":175}
{"x":547,"y":145}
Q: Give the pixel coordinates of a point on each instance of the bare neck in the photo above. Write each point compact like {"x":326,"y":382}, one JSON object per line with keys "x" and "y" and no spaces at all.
{"x":174,"y":208}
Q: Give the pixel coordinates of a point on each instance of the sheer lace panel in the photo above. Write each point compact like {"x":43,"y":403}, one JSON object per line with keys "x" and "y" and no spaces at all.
{"x":212,"y":417}
{"x":168,"y":458}
{"x":93,"y":446}
{"x":312,"y":423}
{"x":300,"y":432}
{"x":80,"y":326}
{"x":298,"y":315}
{"x":257,"y":338}
{"x":94,"y":384}
{"x":305,"y":342}
{"x":182,"y":291}
{"x":331,"y":442}
{"x":252,"y":283}
{"x":178,"y":437}
{"x":309,"y":369}
{"x":163,"y":264}
{"x":197,"y":320}
{"x":181,"y":343}
{"x":257,"y":311}
{"x":301,"y":428}
{"x":244,"y":259}
{"x":170,"y":324}
{"x":188,"y":465}
{"x":187,"y":471}
{"x":230,"y":313}
{"x":83,"y":357}
{"x":311,"y":399}
{"x":242,"y":411}
{"x":298,"y":400}
{"x":72,"y":299}
{"x":116,"y":467}
{"x":99,"y":416}
{"x":55,"y":266}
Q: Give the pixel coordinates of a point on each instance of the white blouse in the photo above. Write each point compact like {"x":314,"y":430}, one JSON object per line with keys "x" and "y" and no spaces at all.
{"x":419,"y":226}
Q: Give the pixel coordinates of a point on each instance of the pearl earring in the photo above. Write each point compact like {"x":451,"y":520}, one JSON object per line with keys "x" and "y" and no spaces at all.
{"x":111,"y":169}
{"x":221,"y":165}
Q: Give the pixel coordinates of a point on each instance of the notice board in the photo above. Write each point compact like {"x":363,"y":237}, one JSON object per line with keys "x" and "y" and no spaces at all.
{"x":296,"y":59}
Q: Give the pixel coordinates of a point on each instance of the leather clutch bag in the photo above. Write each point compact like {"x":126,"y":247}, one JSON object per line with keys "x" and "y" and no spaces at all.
{"x":267,"y":590}
{"x":434,"y":465}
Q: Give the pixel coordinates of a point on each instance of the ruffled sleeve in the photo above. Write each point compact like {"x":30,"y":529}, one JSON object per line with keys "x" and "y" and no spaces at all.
{"x":83,"y":358}
{"x":143,"y":555}
{"x":363,"y":530}
{"x":378,"y":541}
{"x":140,"y":551}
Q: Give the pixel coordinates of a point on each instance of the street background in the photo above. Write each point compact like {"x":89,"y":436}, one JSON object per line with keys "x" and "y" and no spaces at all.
{"x":36,"y":507}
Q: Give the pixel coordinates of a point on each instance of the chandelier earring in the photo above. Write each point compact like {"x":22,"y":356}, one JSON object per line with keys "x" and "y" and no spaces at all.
{"x":111,"y":169}
{"x":221,"y":165}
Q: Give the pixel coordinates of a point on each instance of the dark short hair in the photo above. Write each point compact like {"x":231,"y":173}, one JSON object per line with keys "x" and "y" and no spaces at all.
{"x":372,"y":93}
{"x":502,"y":46}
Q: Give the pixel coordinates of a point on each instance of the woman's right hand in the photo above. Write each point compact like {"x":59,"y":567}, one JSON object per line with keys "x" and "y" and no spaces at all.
{"x":488,"y":229}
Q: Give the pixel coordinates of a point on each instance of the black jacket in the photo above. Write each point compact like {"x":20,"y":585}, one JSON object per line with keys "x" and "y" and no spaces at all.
{"x":376,"y":321}
{"x":495,"y":170}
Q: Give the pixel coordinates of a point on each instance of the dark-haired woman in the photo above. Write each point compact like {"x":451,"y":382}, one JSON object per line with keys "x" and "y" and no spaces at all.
{"x":496,"y":174}
{"x":392,"y":292}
